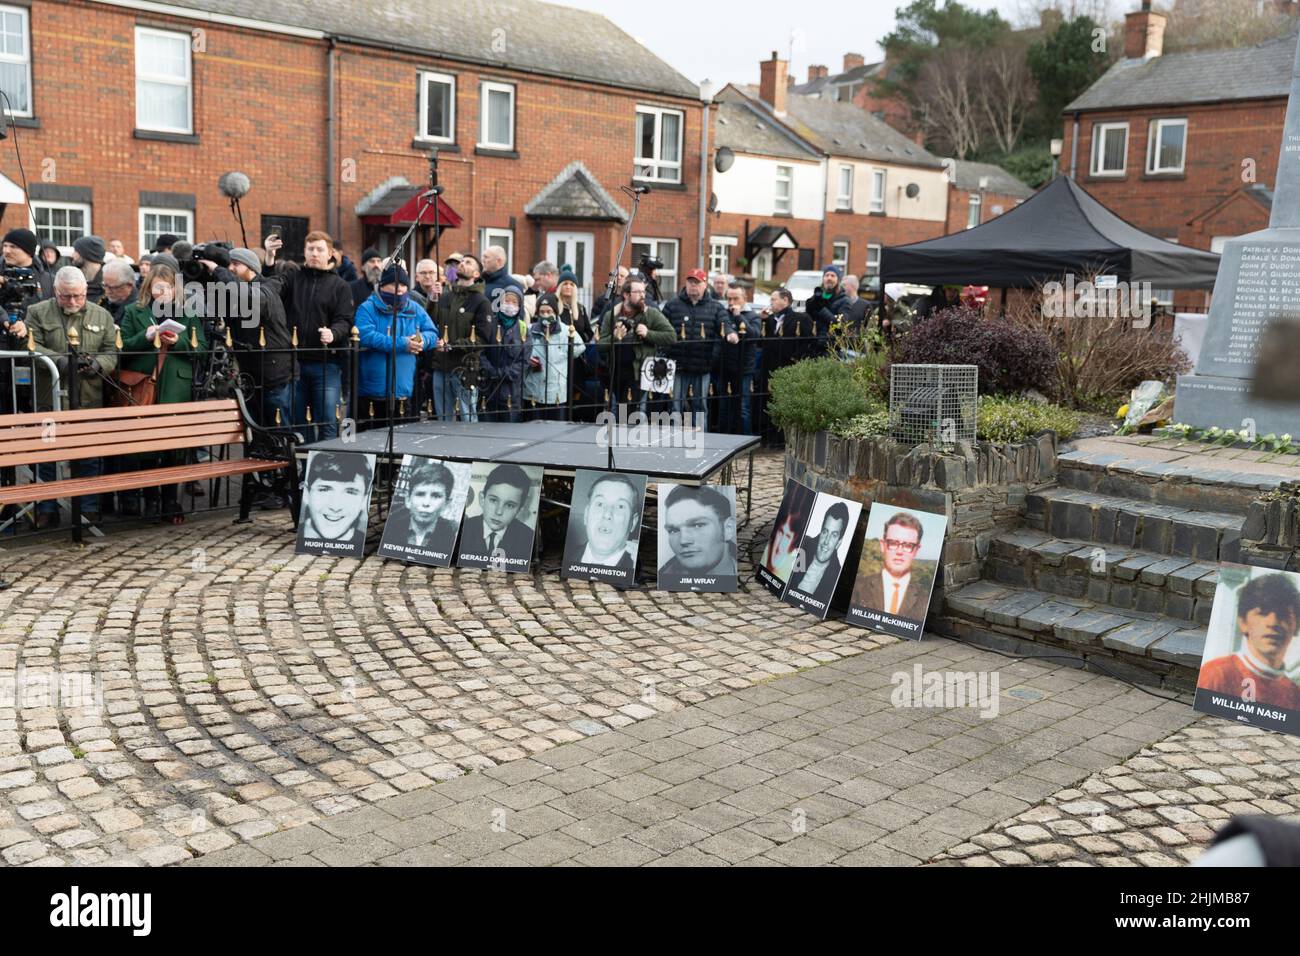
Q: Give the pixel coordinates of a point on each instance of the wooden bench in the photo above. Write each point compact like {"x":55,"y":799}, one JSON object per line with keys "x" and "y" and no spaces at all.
{"x":32,"y":439}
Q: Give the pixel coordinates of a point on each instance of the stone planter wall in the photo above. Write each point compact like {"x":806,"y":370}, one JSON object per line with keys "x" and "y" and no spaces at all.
{"x":1270,"y":537}
{"x":980,"y":486}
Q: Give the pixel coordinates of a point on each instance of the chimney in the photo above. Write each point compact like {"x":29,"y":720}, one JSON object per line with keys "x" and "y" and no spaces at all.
{"x":852,"y":61}
{"x":816,"y":72}
{"x":772,"y":86}
{"x":1144,"y":33}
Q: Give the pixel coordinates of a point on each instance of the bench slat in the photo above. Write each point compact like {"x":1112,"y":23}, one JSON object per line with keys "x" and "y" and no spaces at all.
{"x":129,"y":481}
{"x":22,"y":432}
{"x":98,"y":444}
{"x":117,"y":414}
{"x":53,"y":453}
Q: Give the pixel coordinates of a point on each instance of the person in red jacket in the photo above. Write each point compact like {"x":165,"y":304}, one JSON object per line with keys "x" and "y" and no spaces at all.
{"x":1268,"y":609}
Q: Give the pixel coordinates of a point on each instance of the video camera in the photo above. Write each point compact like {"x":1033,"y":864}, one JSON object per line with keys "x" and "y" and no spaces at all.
{"x":192,"y":266}
{"x":650,"y":264}
{"x":20,"y":284}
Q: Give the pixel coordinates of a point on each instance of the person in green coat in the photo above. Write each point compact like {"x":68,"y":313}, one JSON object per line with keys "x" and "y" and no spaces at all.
{"x":160,"y":299}
{"x":629,"y":335}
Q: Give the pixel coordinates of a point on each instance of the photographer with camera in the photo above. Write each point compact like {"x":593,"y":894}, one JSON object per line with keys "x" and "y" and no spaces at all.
{"x":318,"y":306}
{"x":263,"y":346}
{"x":632,"y":333}
{"x":49,"y":322}
{"x":649,"y":268}
{"x":465,"y":325}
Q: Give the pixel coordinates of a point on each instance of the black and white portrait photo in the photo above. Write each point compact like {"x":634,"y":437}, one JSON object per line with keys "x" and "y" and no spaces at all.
{"x":500,"y":517}
{"x":821,"y":555}
{"x":335,"y":504}
{"x":604,"y":527}
{"x":697,"y":538}
{"x":427,"y":505}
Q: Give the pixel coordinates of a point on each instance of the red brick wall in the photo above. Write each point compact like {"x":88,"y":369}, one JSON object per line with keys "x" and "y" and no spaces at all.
{"x":1219,"y":138}
{"x":959,"y":207}
{"x":260,"y":106}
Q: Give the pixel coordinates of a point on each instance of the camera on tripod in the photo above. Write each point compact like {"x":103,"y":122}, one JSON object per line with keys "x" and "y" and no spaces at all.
{"x":650,"y":263}
{"x":20,"y":284}
{"x":192,"y":266}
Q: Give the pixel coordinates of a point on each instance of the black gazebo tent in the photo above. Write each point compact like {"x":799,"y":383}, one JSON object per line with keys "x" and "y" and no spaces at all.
{"x":1058,"y":230}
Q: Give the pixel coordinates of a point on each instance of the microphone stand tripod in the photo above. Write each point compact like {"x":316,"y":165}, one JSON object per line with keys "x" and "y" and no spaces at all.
{"x":430,"y":198}
{"x":636,"y":192}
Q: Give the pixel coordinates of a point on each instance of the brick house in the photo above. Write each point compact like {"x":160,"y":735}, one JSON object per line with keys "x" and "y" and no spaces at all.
{"x":128,"y":112}
{"x":979,"y":192}
{"x":817,"y":181}
{"x":858,"y":83}
{"x":1183,"y":145}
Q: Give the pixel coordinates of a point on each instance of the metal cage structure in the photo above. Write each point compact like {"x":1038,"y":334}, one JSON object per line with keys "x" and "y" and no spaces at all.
{"x":934,"y":404}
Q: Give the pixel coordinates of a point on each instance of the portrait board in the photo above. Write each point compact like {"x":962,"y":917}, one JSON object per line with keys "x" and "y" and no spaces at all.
{"x":781,"y":552}
{"x":697,"y":538}
{"x":604,"y":527}
{"x":820,"y":557}
{"x":428,"y":501}
{"x":500,"y":517}
{"x":896,"y":570}
{"x":335,"y":504}
{"x":1252,"y":659}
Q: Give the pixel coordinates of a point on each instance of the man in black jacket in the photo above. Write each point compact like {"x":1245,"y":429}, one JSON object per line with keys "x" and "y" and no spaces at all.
{"x":463,"y":316}
{"x":735,"y":369}
{"x":372,"y":264}
{"x":262,"y":343}
{"x":318,"y":308}
{"x":700,"y":324}
{"x":855,"y":316}
{"x":827,"y":303}
{"x":787,"y":337}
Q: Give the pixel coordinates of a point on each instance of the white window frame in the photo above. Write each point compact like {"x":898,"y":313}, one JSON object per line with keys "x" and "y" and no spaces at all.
{"x":873,"y":255}
{"x":494,"y":86}
{"x":493,"y":236}
{"x":844,"y":197}
{"x":664,"y":274}
{"x":1100,"y":132}
{"x":44,"y":204}
{"x":841,"y":261}
{"x":784,"y":174}
{"x":188,"y":235}
{"x":878,"y":179}
{"x":423,"y":134}
{"x":720,"y":253}
{"x":974,"y":210}
{"x":662,"y":170}
{"x":1154,"y":130}
{"x":141,"y":76}
{"x":25,"y":59}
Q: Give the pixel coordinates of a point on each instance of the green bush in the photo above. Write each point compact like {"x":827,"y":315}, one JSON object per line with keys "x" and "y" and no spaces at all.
{"x":815,"y":394}
{"x":870,"y":425}
{"x":1015,"y":419}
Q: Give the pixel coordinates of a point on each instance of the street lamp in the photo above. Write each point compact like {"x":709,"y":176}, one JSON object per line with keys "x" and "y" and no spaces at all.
{"x":984,"y":185}
{"x":707,"y":91}
{"x":1056,"y":147}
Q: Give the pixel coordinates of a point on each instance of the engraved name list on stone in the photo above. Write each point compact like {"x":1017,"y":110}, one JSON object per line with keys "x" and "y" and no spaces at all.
{"x":1268,"y":286}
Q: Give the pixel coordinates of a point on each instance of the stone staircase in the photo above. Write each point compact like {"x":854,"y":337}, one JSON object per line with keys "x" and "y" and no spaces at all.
{"x":1116,"y":564}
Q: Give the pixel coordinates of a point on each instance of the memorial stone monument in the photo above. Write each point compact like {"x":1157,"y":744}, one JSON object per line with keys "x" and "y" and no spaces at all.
{"x":1258,"y":284}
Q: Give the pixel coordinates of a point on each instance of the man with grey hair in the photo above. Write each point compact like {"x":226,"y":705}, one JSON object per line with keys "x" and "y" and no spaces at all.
{"x":546,"y":276}
{"x":95,"y":358}
{"x":119,"y":287}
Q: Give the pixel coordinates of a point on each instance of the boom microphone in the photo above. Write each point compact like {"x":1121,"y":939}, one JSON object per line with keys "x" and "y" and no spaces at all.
{"x":234,"y":185}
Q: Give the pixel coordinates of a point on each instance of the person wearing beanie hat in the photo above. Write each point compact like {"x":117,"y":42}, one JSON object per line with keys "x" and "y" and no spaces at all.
{"x":248,"y":258}
{"x":555,"y":348}
{"x":24,"y":239}
{"x":264,"y":346}
{"x":19,"y":247}
{"x":88,"y":256}
{"x":505,"y":360}
{"x":828,"y":303}
{"x":416,"y":333}
{"x":372,"y":267}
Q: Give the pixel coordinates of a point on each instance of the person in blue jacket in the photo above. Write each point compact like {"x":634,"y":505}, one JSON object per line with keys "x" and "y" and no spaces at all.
{"x":505,"y":360}
{"x":416,"y":333}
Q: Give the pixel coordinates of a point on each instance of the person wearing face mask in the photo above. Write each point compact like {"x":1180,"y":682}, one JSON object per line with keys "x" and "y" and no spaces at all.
{"x":505,"y":360}
{"x":464,"y":320}
{"x":555,"y":347}
{"x":415,"y":333}
{"x":48,"y":323}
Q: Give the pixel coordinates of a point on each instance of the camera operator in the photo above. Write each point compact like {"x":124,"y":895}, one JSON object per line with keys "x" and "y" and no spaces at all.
{"x":650,"y":266}
{"x":262,"y":343}
{"x":23,"y":283}
{"x":632,"y":333}
{"x":318,"y":306}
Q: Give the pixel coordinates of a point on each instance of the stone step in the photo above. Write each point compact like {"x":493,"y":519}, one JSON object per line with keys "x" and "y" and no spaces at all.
{"x":1086,"y":516}
{"x":1211,"y":484}
{"x":1145,"y":647}
{"x":1125,"y":578}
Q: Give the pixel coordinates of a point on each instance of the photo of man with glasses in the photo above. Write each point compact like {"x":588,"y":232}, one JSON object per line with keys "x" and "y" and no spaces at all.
{"x":897,"y":570}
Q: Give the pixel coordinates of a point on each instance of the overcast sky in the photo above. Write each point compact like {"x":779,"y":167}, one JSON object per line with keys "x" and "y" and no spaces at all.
{"x":724,"y":42}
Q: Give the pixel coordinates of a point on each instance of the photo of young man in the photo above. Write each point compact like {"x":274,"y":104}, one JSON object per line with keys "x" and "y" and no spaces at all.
{"x":1248,"y":664}
{"x":896,"y":572}
{"x":335,"y":504}
{"x":782,"y":550}
{"x":821,"y":554}
{"x":604,"y":527}
{"x":500,"y":517}
{"x":427,"y":507}
{"x":697,"y":538}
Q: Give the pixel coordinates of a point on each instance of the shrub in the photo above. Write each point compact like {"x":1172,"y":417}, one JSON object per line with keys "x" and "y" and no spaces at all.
{"x":815,"y":394}
{"x":867,"y":355}
{"x":1010,"y":358}
{"x":869,"y":425}
{"x":1016,"y":419}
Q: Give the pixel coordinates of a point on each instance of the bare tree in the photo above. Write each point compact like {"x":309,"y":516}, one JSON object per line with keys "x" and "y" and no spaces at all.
{"x":948,"y":100}
{"x":1211,"y":24}
{"x":1005,"y":92}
